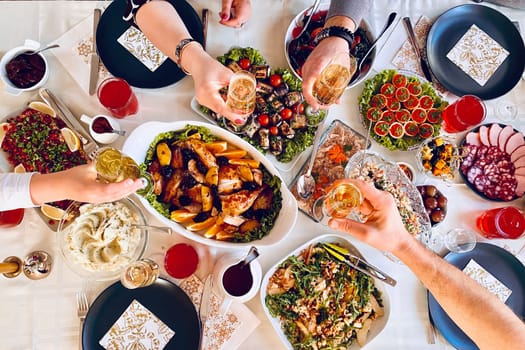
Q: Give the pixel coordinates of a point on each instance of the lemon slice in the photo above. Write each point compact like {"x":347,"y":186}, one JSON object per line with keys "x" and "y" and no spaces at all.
{"x":3,"y":129}
{"x":19,"y":169}
{"x":42,"y":107}
{"x":71,"y":138}
{"x":52,"y":212}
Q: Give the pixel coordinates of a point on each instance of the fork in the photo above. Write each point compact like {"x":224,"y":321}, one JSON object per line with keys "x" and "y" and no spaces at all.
{"x":82,"y":309}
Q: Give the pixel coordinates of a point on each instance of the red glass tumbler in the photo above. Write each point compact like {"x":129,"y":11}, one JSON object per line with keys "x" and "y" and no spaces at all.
{"x":506,"y":222}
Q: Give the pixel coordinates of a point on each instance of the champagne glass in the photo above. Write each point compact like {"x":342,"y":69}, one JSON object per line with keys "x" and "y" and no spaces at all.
{"x":334,"y":78}
{"x":113,"y":166}
{"x":141,"y":273}
{"x":339,"y":202}
{"x":240,"y":99}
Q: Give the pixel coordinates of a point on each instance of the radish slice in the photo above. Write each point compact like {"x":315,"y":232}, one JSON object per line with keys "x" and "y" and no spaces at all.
{"x":494,"y":132}
{"x":514,"y":142}
{"x":504,"y":135}
{"x":484,"y":135}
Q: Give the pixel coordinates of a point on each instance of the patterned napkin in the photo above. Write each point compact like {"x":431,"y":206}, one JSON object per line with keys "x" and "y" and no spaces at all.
{"x":478,"y":55}
{"x":139,"y":46}
{"x":406,"y":59}
{"x":75,"y":50}
{"x":137,"y":328}
{"x":222,"y":331}
{"x":487,"y":280}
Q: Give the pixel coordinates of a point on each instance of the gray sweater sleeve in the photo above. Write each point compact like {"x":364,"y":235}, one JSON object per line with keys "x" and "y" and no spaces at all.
{"x":355,"y":9}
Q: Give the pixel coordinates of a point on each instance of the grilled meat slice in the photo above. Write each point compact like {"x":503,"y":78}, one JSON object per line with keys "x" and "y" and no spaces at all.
{"x":237,"y":203}
{"x":229,"y":179}
{"x":158,"y":179}
{"x":199,"y":147}
{"x":194,"y":171}
{"x":172,"y":185}
{"x":264,"y":200}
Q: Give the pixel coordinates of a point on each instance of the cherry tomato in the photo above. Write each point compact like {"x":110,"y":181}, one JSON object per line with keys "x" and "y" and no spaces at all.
{"x":399,"y":80}
{"x":296,"y":31}
{"x":426,"y":130}
{"x":320,"y":15}
{"x":286,"y":113}
{"x":388,"y":89}
{"x":411,"y":129}
{"x":275,"y":80}
{"x":298,"y":108}
{"x":396,"y":130}
{"x":378,"y":100}
{"x":274,"y":130}
{"x":381,"y":128}
{"x":245,"y":63}
{"x":264,"y":120}
{"x":434,"y":116}
{"x":419,"y":115}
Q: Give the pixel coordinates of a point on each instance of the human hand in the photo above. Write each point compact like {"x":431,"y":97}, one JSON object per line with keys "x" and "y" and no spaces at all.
{"x":316,"y":61}
{"x":81,"y":184}
{"x":235,"y":13}
{"x":383,"y":228}
{"x":210,"y":76}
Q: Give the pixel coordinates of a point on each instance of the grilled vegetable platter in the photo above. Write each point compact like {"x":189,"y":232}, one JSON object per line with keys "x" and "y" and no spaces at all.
{"x":282,"y":125}
{"x":210,"y":185}
{"x":404,"y":110}
{"x":314,"y":301}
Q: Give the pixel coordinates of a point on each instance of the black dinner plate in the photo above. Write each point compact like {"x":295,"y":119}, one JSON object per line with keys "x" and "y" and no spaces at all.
{"x":164,"y":299}
{"x":503,"y":266}
{"x":464,"y":176}
{"x":121,"y":63}
{"x":451,"y":26}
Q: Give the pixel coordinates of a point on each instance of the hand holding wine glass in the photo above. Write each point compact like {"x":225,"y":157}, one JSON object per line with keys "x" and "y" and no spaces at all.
{"x":334,"y":78}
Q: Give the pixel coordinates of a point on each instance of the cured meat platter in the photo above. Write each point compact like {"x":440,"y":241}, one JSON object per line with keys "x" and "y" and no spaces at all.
{"x":493,"y":162}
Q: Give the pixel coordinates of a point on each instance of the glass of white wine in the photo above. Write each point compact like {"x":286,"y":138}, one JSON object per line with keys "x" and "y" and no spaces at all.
{"x":241,"y":93}
{"x":113,"y":166}
{"x":340,"y":202}
{"x":334,"y":78}
{"x":141,"y":273}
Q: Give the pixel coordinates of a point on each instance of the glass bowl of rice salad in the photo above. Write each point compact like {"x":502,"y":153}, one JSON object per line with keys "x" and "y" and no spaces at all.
{"x":388,"y":176}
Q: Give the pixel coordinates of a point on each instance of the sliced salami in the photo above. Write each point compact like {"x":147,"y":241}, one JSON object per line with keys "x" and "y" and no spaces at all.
{"x":482,"y":183}
{"x":473,"y":173}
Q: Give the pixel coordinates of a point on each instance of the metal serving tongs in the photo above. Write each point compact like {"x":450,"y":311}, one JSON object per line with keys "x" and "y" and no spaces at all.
{"x":343,"y":255}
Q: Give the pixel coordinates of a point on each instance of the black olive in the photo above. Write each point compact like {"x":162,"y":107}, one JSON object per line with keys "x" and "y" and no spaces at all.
{"x":184,"y":200}
{"x":187,"y":181}
{"x":166,"y":171}
{"x":222,"y":161}
{"x":200,"y":217}
{"x":250,"y":186}
{"x":187,"y":155}
{"x":216,"y":199}
{"x":201,"y":167}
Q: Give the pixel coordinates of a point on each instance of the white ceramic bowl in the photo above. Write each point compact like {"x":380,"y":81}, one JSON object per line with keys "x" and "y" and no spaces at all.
{"x":140,"y":139}
{"x":29,"y":45}
{"x":324,"y":7}
{"x":377,"y":325}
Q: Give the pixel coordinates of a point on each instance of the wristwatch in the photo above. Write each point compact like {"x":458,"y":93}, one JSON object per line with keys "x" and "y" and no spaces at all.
{"x":178,"y":52}
{"x":337,"y":31}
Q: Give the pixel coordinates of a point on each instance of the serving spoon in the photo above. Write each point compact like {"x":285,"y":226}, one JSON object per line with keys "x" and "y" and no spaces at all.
{"x":388,"y":23}
{"x":306,"y":182}
{"x":31,"y":53}
{"x":312,"y":9}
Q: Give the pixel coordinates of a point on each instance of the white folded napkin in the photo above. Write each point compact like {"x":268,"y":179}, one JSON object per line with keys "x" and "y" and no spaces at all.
{"x":137,"y":328}
{"x":478,"y":55}
{"x":139,"y":46}
{"x":487,"y":280}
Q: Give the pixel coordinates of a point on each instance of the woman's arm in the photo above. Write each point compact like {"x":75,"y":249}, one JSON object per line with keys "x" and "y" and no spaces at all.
{"x":482,"y":316}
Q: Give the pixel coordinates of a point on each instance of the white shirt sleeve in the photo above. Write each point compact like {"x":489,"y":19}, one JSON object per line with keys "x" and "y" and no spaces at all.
{"x":14,"y":191}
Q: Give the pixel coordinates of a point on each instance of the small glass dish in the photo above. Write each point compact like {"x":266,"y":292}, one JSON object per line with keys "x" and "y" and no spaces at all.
{"x":438,"y":157}
{"x":102,"y":254}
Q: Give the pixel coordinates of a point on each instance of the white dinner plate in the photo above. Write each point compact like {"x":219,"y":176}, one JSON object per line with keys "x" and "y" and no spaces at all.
{"x":137,"y":144}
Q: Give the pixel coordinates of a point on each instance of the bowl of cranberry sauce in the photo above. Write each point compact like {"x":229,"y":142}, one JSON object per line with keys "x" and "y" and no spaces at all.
{"x":22,"y":71}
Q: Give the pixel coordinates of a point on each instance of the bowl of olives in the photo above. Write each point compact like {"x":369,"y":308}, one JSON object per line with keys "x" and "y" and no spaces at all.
{"x":435,"y":203}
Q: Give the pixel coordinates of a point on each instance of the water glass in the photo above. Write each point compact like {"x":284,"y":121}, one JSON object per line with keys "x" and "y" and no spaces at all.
{"x":466,"y":112}
{"x":241,"y":93}
{"x":141,"y":273}
{"x":460,"y":240}
{"x":334,"y":78}
{"x":117,"y":96}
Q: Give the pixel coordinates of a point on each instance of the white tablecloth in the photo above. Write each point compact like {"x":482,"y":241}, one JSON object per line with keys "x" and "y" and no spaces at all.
{"x":42,"y":314}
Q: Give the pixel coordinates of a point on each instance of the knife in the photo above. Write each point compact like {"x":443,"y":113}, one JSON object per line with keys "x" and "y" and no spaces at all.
{"x":204,"y":308}
{"x":67,"y":116}
{"x":204,"y":27}
{"x":415,"y":45}
{"x":95,"y":59}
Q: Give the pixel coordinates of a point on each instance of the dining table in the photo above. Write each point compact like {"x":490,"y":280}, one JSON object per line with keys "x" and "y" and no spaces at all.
{"x":41,"y":314}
